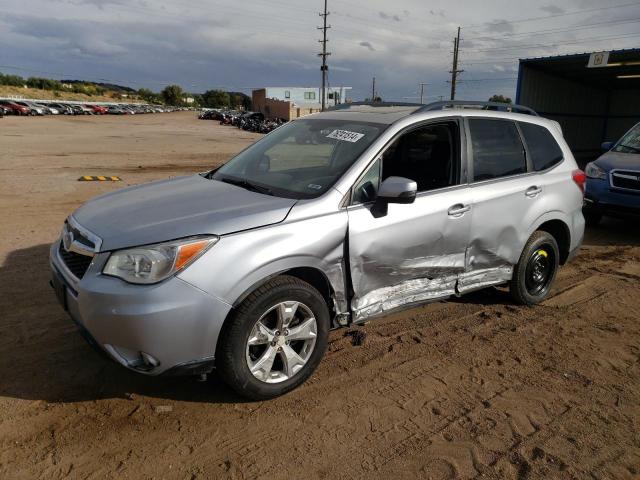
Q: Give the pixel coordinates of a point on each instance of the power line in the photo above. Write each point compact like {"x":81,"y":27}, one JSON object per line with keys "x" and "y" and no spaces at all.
{"x":564,"y":29}
{"x":557,"y":44}
{"x":487,"y":79}
{"x":565,"y":14}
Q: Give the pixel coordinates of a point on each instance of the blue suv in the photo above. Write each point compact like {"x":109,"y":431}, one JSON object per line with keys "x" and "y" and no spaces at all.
{"x":613,"y":180}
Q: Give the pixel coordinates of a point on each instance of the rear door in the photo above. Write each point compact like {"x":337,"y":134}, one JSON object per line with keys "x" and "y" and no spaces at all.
{"x":416,"y":251}
{"x":504,"y":196}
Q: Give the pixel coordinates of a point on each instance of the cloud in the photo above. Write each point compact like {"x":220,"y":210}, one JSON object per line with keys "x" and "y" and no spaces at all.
{"x":552,"y":9}
{"x":151,"y":43}
{"x":500,"y":26}
{"x":388,"y":16}
{"x":367,"y":45}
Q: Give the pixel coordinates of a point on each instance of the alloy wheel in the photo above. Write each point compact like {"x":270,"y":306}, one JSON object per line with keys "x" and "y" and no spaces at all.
{"x":281,"y":342}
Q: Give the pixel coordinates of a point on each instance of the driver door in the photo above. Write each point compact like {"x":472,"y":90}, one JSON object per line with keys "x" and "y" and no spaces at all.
{"x":416,"y":251}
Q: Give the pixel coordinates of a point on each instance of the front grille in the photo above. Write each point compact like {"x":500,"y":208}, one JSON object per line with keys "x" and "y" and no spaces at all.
{"x":629,"y":180}
{"x":76,"y":263}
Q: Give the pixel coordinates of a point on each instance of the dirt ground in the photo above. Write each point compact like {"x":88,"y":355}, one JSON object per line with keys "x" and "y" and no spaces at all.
{"x":469,"y":388}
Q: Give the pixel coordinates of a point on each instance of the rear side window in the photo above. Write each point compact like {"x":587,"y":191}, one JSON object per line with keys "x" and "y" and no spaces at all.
{"x":497,"y":149}
{"x":542,"y":147}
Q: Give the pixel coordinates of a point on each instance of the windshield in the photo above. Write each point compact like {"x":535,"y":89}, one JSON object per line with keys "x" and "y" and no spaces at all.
{"x":630,"y":143}
{"x":301,"y":159}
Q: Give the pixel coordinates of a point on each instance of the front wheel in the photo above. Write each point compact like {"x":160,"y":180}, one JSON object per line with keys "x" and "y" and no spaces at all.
{"x":536,"y":270}
{"x":275,"y":339}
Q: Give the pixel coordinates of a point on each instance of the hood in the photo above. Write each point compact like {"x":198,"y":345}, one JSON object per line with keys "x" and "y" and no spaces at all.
{"x":181,"y":207}
{"x":626,"y":161}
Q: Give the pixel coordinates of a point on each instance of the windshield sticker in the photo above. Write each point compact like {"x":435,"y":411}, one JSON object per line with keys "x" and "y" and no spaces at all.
{"x":313,"y":186}
{"x":346,"y":135}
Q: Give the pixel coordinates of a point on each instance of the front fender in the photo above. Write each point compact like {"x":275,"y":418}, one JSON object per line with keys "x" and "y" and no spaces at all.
{"x":241,"y":261}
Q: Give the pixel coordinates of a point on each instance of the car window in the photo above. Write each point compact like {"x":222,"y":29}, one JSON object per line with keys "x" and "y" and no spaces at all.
{"x":428,"y":155}
{"x":542,"y":147}
{"x":366,"y":190}
{"x":630,"y":143}
{"x":497,"y":149}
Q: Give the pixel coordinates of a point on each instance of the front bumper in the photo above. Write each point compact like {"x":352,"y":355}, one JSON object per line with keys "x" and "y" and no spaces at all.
{"x":168,"y":327}
{"x":600,"y":197}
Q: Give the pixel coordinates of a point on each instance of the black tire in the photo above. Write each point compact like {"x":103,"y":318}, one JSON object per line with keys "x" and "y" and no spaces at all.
{"x":536,"y":270}
{"x":591,"y":218}
{"x":231,"y":351}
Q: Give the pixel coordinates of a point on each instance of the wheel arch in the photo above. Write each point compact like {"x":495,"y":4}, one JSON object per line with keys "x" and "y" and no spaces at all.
{"x":314,"y":276}
{"x":560,"y":231}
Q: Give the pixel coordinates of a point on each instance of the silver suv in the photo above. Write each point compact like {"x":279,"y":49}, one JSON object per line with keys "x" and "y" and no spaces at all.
{"x":330,"y":220}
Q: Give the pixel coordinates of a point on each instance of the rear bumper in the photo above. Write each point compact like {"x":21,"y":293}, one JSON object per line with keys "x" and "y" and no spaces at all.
{"x":171,"y":327}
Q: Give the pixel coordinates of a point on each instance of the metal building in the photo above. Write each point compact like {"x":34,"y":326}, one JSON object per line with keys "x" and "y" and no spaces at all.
{"x":305,"y":95}
{"x":594,"y":96}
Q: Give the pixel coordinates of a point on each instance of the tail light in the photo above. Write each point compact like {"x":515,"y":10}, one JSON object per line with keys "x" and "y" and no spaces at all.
{"x":580,"y":178}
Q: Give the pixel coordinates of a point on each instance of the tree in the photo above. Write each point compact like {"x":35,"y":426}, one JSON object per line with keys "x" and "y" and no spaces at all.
{"x":43,"y":83}
{"x":500,"y":99}
{"x":12,"y":80}
{"x":215,"y":99}
{"x":172,"y":95}
{"x":149,"y":96}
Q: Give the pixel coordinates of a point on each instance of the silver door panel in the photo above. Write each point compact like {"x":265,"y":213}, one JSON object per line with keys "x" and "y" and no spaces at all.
{"x":414,"y":253}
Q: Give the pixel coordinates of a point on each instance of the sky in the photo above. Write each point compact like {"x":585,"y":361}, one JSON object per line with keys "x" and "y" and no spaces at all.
{"x":244,"y":44}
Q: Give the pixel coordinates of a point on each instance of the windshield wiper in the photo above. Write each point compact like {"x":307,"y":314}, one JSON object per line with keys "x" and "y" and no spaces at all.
{"x":241,"y":182}
{"x":635,"y":149}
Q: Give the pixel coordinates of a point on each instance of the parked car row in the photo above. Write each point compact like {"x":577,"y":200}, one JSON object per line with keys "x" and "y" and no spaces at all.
{"x":46,"y":107}
{"x":250,"y":121}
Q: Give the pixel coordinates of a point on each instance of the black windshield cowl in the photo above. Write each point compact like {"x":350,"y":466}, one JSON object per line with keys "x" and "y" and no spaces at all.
{"x":240,"y":182}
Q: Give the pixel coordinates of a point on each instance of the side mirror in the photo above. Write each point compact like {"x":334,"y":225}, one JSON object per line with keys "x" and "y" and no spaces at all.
{"x":397,"y":190}
{"x":606,"y":146}
{"x":393,"y":190}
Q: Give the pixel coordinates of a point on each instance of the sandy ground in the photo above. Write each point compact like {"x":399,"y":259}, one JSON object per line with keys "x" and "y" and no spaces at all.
{"x":470,"y":388}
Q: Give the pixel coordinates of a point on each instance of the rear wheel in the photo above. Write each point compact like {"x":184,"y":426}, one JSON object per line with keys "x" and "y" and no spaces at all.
{"x":536,"y":270}
{"x":275,"y":339}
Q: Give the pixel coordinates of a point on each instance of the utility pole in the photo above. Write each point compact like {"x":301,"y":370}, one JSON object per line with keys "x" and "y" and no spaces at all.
{"x":324,"y":68}
{"x":422,"y":92}
{"x":454,"y":71}
{"x":373,"y":90}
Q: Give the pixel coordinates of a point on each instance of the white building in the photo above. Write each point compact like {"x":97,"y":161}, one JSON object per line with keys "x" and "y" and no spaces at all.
{"x":303,"y":96}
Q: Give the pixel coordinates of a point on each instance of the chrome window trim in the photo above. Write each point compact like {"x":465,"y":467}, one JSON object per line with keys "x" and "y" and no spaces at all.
{"x":612,"y":172}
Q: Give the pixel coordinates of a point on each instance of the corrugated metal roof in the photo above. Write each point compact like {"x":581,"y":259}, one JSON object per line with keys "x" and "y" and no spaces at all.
{"x":579,"y":55}
{"x":574,"y":67}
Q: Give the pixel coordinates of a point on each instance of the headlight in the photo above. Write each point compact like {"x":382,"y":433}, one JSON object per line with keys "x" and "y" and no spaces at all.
{"x":594,"y":171}
{"x":153,"y":263}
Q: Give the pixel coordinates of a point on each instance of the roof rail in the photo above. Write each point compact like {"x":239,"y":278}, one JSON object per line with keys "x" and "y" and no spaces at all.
{"x":497,"y":106}
{"x":344,"y":106}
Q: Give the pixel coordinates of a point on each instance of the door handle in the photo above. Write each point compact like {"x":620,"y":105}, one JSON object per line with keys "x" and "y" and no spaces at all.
{"x":458,"y":210}
{"x":532,"y":191}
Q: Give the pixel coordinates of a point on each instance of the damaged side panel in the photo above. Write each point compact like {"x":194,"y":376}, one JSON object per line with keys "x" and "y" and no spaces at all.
{"x":382,"y":300}
{"x":415,"y":253}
